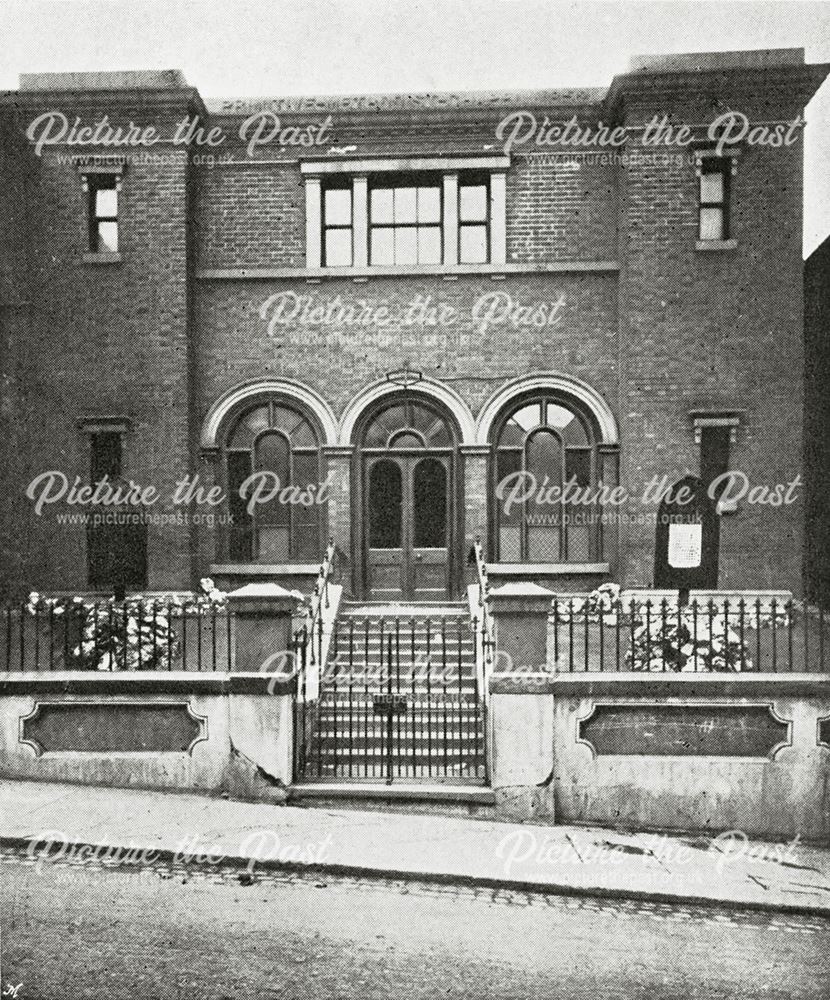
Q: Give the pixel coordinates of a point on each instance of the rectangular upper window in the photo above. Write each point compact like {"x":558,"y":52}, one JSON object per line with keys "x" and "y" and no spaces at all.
{"x":473,"y":220}
{"x":405,"y":221}
{"x":338,"y":229}
{"x":103,"y":213}
{"x":435,"y":213}
{"x":714,"y":198}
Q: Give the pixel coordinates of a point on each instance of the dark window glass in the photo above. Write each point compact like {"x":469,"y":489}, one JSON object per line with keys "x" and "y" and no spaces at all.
{"x":423,"y":426}
{"x":406,"y":439}
{"x":275,"y":439}
{"x":509,"y":515}
{"x":578,"y":516}
{"x":551,"y":443}
{"x":241,"y":529}
{"x":714,"y":457}
{"x":116,"y":553}
{"x":306,"y":517}
{"x":117,"y":556}
{"x":578,"y":466}
{"x":248,"y":427}
{"x":429,"y":490}
{"x":105,"y":455}
{"x":272,"y":455}
{"x":385,"y":505}
{"x":544,"y":521}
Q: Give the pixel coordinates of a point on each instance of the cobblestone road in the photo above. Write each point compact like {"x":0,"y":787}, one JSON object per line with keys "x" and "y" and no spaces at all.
{"x":74,"y":930}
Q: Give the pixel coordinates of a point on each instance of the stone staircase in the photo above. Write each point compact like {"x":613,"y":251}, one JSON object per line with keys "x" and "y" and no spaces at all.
{"x":398,"y":698}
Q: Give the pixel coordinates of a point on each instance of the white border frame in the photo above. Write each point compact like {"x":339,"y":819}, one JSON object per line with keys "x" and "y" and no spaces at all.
{"x":283,"y":387}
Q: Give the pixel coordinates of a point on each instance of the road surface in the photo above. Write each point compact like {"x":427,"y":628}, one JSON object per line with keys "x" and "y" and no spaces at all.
{"x":87,"y":931}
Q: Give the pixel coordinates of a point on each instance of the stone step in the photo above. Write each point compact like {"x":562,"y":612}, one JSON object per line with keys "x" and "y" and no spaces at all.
{"x":436,"y":670}
{"x":338,"y":724}
{"x":418,"y":609}
{"x":379,"y":755}
{"x":467,"y":736}
{"x":364,"y":701}
{"x":435,"y":637}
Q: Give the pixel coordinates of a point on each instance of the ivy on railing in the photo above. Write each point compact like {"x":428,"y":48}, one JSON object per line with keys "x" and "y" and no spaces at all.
{"x":660,"y":634}
{"x":138,"y":633}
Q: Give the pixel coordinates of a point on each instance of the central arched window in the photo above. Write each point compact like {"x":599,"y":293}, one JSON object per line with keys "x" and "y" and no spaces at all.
{"x":542,"y":444}
{"x":408,"y":424}
{"x":272,"y":450}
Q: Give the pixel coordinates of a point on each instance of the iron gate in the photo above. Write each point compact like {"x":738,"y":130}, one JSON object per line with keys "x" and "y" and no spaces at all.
{"x":399,"y":698}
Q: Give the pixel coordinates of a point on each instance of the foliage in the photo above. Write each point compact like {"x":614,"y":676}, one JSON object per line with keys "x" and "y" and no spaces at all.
{"x":697,"y":637}
{"x":136,"y":634}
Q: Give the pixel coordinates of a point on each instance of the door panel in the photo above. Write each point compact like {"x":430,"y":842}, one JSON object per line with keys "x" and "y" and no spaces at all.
{"x":429,"y":528}
{"x":385,"y":526}
{"x":408,"y":507}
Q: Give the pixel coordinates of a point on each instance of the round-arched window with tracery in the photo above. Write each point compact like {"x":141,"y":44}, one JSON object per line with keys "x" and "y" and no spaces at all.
{"x":545,"y":458}
{"x":272,"y":450}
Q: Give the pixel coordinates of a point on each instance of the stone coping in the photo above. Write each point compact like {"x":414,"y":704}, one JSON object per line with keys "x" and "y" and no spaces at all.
{"x":649,"y":684}
{"x":142,"y":682}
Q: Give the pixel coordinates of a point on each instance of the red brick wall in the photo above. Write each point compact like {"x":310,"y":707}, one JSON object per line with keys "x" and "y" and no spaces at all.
{"x":677,"y":329}
{"x":250,"y":217}
{"x":716,"y":329}
{"x":15,"y":311}
{"x":104,"y":340}
{"x":561,"y":208}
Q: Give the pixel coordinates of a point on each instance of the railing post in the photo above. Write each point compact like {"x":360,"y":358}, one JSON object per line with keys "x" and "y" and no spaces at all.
{"x":520,"y":615}
{"x":522,"y":712}
{"x":263,"y":615}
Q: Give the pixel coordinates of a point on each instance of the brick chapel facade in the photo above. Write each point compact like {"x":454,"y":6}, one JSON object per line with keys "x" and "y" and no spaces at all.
{"x":418,"y":312}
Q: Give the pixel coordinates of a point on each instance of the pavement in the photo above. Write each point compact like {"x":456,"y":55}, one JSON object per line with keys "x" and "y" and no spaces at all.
{"x":70,"y":823}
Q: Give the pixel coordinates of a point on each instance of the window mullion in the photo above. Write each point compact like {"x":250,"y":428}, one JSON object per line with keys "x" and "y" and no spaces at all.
{"x":360,"y":221}
{"x":313,"y":222}
{"x":497,"y":218}
{"x":450,"y":219}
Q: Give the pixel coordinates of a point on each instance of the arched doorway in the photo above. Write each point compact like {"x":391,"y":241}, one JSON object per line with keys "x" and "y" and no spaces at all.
{"x":407,"y":469}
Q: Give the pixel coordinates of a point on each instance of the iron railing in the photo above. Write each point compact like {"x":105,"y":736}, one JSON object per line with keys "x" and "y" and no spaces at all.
{"x":308,"y":653}
{"x":482,"y":622}
{"x":309,"y":639}
{"x":135,"y":634}
{"x":398,"y":699}
{"x":721,"y":636}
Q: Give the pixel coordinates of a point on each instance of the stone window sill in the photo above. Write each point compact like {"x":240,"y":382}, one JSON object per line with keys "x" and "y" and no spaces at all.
{"x":716,"y":244}
{"x":548,"y":569}
{"x":450,"y":272}
{"x":102,"y":258}
{"x":265,"y":569}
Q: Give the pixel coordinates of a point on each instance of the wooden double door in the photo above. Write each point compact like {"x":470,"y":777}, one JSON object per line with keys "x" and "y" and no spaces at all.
{"x":408,"y":525}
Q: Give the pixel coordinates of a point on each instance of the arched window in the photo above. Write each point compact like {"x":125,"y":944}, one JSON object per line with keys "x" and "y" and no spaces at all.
{"x":272,"y":451}
{"x":408,"y":424}
{"x":545,"y":457}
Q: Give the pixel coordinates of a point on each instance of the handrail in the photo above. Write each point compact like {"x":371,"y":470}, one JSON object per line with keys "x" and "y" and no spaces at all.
{"x":312,"y":629}
{"x":483,"y":623}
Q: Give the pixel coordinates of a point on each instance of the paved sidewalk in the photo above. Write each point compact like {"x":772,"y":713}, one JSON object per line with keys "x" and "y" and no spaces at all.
{"x":48,"y":818}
